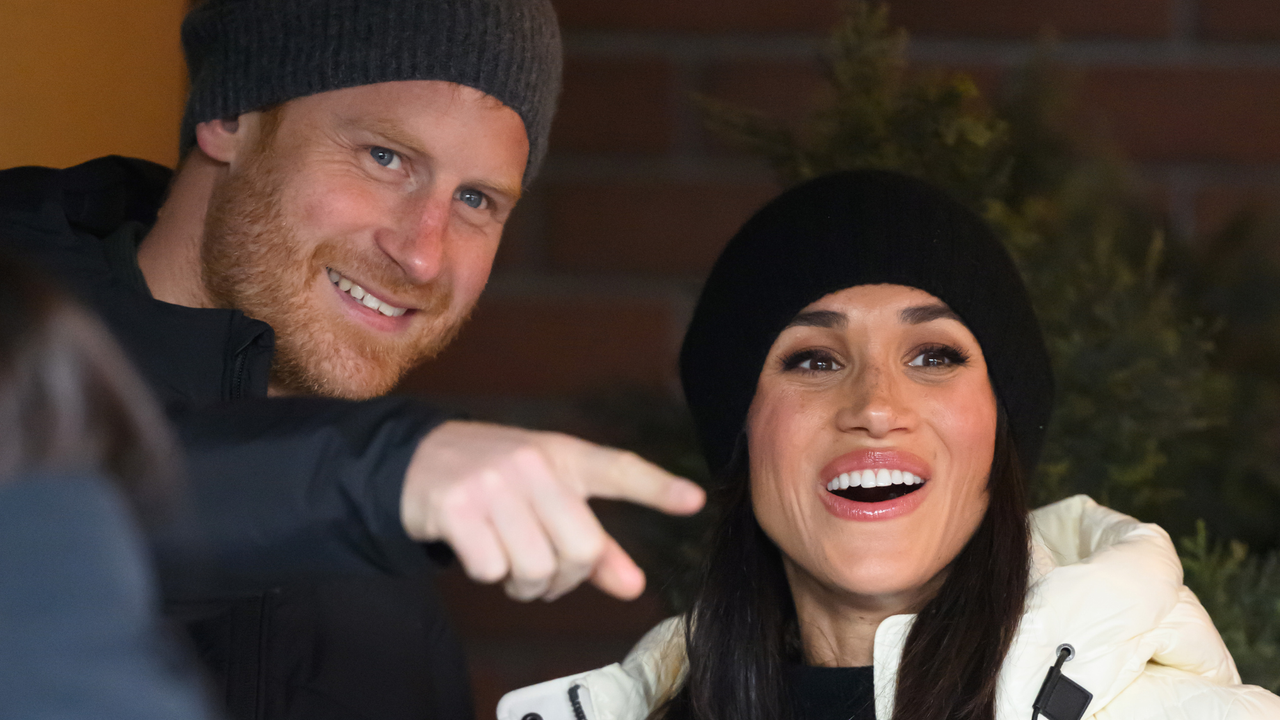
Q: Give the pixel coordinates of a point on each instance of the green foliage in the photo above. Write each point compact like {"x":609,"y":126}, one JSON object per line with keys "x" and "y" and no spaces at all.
{"x":879,"y":117}
{"x":1242,"y":594}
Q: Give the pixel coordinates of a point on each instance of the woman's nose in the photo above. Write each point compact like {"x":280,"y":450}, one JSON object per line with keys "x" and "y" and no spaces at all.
{"x":873,"y":404}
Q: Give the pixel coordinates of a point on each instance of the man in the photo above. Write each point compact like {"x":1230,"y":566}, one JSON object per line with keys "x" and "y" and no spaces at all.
{"x":348,"y":168}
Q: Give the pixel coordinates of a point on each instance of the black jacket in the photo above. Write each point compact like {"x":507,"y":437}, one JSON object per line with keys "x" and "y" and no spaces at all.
{"x":300,"y":589}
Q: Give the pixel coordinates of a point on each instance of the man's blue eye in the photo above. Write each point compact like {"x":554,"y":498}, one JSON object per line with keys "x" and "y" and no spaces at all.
{"x":472,"y":198}
{"x":385,"y":157}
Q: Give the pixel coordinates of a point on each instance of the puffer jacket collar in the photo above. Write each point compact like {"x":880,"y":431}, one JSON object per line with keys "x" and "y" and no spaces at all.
{"x":1103,"y":582}
{"x":1109,"y":586}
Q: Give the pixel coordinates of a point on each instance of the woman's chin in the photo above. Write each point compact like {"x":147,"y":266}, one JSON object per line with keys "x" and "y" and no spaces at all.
{"x":883,"y":583}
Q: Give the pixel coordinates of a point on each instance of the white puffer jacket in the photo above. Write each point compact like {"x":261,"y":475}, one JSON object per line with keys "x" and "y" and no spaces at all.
{"x":1104,"y":583}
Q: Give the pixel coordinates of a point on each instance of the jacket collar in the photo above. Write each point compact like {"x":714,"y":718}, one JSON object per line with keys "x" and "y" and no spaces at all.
{"x":1104,"y":583}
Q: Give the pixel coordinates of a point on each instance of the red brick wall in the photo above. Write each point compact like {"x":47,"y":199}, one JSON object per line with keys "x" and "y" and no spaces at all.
{"x":601,"y":265}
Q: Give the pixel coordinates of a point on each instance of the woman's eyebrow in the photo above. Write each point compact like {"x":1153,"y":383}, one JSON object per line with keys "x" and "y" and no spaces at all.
{"x":924,"y":313}
{"x":819,"y":318}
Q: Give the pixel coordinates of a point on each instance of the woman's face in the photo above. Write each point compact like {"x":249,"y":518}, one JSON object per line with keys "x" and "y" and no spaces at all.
{"x":878,"y":385}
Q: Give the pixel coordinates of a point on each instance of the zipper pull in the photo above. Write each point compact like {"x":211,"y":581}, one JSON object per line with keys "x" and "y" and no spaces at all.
{"x":1060,"y":698}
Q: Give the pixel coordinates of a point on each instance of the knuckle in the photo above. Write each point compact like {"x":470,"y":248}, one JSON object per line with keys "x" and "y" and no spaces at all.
{"x":627,"y":462}
{"x":535,"y":570}
{"x":486,"y":573}
{"x":529,"y":459}
{"x":587,"y":551}
{"x":521,"y":592}
{"x":456,"y":502}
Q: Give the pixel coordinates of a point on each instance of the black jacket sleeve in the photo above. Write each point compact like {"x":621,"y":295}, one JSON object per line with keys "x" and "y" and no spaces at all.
{"x":288,"y":489}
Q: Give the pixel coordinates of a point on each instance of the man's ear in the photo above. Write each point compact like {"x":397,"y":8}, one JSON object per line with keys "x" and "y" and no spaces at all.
{"x":223,"y":140}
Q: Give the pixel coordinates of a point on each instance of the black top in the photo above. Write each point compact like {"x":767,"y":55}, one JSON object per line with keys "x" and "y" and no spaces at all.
{"x":302,"y":593}
{"x":821,"y":693}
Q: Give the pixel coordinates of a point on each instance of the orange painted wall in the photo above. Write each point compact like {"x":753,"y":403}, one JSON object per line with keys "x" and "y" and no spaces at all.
{"x":83,"y":78}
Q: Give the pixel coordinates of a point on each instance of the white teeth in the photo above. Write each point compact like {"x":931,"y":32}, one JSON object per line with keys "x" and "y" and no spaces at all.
{"x":882,"y":477}
{"x":365,"y":298}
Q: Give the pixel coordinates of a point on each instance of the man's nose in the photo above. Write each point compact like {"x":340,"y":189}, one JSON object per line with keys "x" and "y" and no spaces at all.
{"x":417,"y":243}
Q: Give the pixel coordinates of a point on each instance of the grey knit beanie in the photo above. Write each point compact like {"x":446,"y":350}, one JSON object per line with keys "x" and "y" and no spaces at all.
{"x":244,"y":55}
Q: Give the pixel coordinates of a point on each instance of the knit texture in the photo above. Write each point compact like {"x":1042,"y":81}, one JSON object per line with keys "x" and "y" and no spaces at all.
{"x":245,"y":55}
{"x":844,"y":230}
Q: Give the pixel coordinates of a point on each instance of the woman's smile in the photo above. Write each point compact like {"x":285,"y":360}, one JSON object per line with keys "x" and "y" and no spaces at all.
{"x":874,"y":483}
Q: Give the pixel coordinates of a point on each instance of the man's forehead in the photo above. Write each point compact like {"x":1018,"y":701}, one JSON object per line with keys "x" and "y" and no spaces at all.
{"x":393,"y":104}
{"x":444,"y":89}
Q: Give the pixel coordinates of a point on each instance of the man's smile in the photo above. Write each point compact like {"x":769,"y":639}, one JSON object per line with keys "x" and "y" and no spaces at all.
{"x":362,"y":296}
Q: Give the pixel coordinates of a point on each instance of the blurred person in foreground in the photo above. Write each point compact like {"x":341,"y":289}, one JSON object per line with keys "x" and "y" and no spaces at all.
{"x":348,"y":167}
{"x":869,"y":383}
{"x":85,"y":454}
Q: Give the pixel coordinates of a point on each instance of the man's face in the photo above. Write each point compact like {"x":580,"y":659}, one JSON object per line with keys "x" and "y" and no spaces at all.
{"x":361,"y":224}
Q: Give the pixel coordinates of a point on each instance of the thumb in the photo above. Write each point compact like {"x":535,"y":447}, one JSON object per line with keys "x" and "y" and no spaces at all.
{"x":616,"y":573}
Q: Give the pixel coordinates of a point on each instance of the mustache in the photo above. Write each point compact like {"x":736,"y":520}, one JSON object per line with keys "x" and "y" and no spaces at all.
{"x":382,"y":273}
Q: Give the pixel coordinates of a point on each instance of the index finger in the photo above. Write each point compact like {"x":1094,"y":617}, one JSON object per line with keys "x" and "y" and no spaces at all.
{"x":621,"y":475}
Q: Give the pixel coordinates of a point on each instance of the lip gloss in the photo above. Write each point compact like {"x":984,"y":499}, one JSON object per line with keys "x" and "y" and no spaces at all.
{"x":874,"y":459}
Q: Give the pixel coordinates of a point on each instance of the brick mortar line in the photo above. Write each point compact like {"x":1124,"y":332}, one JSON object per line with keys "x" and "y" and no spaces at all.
{"x":693,"y":48}
{"x":749,"y":170}
{"x":1180,"y":208}
{"x":1185,"y":21}
{"x":1218,"y":173}
{"x":1101,"y":54}
{"x":666,"y":169}
{"x":1154,"y":53}
{"x":525,"y":411}
{"x":689,"y":76}
{"x":632,"y":287}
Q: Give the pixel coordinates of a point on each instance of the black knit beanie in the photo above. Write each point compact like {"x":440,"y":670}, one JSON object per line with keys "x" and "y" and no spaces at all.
{"x":844,"y":230}
{"x":246,"y":55}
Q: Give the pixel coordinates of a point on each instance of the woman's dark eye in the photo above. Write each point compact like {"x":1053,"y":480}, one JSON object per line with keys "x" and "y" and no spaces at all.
{"x":384,"y":157}
{"x":811,"y":361}
{"x":473,"y":198}
{"x":940,"y":356}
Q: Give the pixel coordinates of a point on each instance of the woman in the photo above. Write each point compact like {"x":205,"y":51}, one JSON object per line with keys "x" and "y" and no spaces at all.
{"x":868,"y":379}
{"x":84,"y":452}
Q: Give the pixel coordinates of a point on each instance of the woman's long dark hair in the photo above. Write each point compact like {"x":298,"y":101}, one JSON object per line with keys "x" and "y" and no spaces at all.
{"x":742,"y":630}
{"x":69,"y":399}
